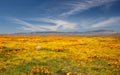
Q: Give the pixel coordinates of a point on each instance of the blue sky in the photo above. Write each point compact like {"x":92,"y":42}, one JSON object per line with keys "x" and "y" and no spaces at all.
{"x":59,"y":15}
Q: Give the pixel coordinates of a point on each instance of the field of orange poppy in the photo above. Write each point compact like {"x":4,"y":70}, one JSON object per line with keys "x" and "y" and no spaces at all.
{"x":59,"y":55}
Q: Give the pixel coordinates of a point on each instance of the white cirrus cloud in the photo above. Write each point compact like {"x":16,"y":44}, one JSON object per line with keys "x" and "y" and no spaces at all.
{"x":58,"y":25}
{"x":100,"y":22}
{"x":85,"y":5}
{"x":27,"y":26}
{"x":107,"y":22}
{"x":64,"y":25}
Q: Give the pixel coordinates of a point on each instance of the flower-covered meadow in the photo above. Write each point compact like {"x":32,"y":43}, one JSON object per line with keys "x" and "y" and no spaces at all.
{"x":59,"y":55}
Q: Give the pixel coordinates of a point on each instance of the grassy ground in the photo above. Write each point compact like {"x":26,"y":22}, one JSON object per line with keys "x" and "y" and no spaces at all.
{"x":59,"y":55}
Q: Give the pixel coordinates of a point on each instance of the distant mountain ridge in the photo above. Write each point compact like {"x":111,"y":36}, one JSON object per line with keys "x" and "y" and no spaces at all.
{"x":100,"y":32}
{"x":95,"y":32}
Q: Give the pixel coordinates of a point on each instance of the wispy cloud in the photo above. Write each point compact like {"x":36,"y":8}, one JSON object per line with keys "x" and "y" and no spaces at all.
{"x":58,"y":25}
{"x":99,"y":23}
{"x":107,"y":22}
{"x":27,"y":26}
{"x":84,"y":5}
